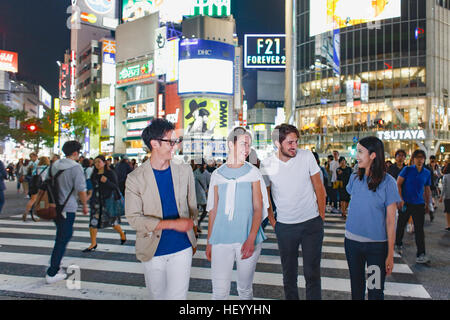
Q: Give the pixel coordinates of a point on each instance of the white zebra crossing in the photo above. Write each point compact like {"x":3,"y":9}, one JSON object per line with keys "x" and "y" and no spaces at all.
{"x":35,"y":284}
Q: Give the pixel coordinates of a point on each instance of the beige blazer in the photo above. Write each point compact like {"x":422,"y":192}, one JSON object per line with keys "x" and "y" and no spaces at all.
{"x":143,"y":205}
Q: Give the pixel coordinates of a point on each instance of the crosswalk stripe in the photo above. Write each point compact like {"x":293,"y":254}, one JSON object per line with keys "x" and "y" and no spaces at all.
{"x":268,"y":276}
{"x":89,"y":290}
{"x":274,"y":279}
{"x":200,"y":254}
{"x":114,"y":236}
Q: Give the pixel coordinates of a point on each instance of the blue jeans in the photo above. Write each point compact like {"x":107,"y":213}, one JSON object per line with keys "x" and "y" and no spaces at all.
{"x":2,"y":199}
{"x":64,"y":231}
{"x":360,"y":253}
{"x":309,"y":235}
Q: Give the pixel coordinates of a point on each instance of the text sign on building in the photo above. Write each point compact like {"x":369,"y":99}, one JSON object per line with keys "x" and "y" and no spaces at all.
{"x":265,"y":51}
{"x":136,"y":72}
{"x":402,"y":135}
{"x":8,"y":61}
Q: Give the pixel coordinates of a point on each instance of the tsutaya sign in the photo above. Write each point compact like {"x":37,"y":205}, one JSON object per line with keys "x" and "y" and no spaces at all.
{"x":401,"y":135}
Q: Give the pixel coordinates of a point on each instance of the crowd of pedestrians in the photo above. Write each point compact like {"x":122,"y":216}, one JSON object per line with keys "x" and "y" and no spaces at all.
{"x":166,"y":201}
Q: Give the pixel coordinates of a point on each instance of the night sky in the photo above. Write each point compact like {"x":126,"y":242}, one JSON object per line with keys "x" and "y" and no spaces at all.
{"x":36,"y":29}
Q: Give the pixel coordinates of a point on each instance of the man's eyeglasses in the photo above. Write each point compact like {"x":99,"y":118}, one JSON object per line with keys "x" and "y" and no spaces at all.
{"x":172,"y":142}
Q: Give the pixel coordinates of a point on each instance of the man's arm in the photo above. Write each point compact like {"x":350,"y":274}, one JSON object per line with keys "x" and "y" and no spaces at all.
{"x":400,"y":181}
{"x":319,"y":189}
{"x":427,"y":198}
{"x":83,"y":198}
{"x":270,"y":214}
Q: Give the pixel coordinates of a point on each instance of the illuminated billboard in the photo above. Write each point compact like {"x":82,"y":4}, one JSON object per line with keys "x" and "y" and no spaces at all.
{"x":206,"y":117}
{"x":45,"y":97}
{"x":8,"y":61}
{"x":64,"y":81}
{"x":174,"y":10}
{"x":99,"y":13}
{"x":265,"y":51}
{"x":328,"y":15}
{"x":205,"y":66}
{"x":169,"y":10}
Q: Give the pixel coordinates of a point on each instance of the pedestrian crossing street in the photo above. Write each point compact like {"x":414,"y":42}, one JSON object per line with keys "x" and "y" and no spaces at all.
{"x":113,"y":273}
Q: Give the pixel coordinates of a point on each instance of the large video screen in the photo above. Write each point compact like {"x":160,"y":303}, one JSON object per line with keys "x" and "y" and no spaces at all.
{"x":327,"y":15}
{"x":206,"y":76}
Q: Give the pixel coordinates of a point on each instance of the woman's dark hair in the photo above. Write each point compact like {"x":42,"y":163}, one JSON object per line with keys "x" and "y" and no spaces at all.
{"x":446,"y":169}
{"x":281,"y":132}
{"x":102,"y":157}
{"x":378,"y":166}
{"x":316,"y":155}
{"x":86,"y":163}
{"x":157,"y":129}
{"x":341,"y":159}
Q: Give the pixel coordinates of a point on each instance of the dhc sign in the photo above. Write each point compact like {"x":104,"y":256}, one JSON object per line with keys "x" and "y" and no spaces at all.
{"x":401,"y":135}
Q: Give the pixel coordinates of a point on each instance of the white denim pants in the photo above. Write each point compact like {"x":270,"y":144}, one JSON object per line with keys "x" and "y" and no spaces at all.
{"x":222,"y":261}
{"x":167,"y":276}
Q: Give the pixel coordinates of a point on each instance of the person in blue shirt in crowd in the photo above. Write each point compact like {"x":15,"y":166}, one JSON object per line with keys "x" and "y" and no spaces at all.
{"x":412,"y":182}
{"x":237,"y":203}
{"x":370,"y":226}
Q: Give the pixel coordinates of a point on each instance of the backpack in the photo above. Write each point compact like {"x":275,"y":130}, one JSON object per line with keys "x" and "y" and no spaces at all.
{"x":47,"y":206}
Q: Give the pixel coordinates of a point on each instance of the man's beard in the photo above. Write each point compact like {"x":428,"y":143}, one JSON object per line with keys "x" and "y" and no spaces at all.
{"x":284,"y":153}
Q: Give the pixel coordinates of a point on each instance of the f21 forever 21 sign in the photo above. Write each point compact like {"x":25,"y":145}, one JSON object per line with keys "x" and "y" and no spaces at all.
{"x":263,"y":51}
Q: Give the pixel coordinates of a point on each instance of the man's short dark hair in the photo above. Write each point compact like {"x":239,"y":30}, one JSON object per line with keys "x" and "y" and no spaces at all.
{"x":70,"y":147}
{"x":400,"y":151}
{"x":418,"y":153}
{"x":282,"y":131}
{"x":157,"y":129}
{"x":432,"y":157}
{"x":330,"y":157}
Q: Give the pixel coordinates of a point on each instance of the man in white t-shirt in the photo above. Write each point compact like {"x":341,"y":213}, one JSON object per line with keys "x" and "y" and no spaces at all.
{"x":334,"y":193}
{"x":293,"y":177}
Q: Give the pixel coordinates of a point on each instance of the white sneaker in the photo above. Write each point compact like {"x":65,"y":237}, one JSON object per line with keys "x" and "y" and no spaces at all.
{"x":57,"y":277}
{"x":422,"y":259}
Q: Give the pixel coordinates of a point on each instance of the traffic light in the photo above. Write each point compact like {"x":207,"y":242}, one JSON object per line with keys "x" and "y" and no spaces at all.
{"x":32,"y":127}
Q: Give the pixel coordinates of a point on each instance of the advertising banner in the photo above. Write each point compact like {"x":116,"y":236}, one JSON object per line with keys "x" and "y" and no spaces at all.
{"x":64,"y":82}
{"x":45,"y":97}
{"x":265,"y":51}
{"x":169,"y":10}
{"x":206,"y":117}
{"x":200,"y":62}
{"x":328,"y":15}
{"x":135,"y":72}
{"x":9,"y":61}
{"x":98,"y":13}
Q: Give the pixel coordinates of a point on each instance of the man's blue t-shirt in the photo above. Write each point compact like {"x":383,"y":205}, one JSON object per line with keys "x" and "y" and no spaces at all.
{"x":171,"y":240}
{"x":414,"y":184}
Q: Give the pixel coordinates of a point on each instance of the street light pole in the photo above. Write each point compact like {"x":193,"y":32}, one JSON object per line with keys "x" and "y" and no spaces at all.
{"x":290,"y":90}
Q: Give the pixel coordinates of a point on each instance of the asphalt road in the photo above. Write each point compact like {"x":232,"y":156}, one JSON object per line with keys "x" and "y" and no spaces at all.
{"x":435,"y":277}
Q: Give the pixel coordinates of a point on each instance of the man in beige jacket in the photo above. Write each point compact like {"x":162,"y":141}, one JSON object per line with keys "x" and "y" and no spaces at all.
{"x":160,"y":203}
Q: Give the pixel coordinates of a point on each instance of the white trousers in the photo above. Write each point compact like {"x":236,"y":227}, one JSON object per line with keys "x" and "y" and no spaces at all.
{"x":167,"y":276}
{"x":222,"y":261}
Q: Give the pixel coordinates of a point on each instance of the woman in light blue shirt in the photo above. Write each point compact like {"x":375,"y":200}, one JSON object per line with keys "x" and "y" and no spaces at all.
{"x":237,"y":203}
{"x":370,"y":226}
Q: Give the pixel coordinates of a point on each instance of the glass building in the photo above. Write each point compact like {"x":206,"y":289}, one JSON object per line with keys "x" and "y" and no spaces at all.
{"x":388,"y":78}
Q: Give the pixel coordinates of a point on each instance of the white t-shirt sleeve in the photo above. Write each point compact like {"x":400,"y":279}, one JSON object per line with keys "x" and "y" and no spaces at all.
{"x":265,"y":174}
{"x":312,"y":164}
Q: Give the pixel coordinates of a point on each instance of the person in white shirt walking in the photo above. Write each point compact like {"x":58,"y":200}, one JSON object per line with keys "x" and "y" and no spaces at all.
{"x":293,"y":177}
